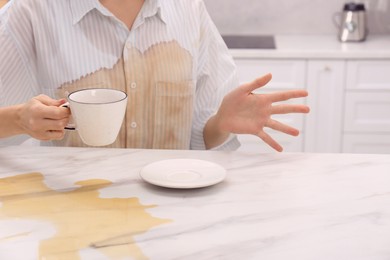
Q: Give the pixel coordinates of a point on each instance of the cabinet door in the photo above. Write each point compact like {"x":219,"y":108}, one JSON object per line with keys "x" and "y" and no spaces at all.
{"x":323,"y":126}
{"x":368,"y":75}
{"x":367,"y":107}
{"x":286,"y":74}
{"x":251,"y":143}
{"x":366,"y":143}
{"x":367,"y":112}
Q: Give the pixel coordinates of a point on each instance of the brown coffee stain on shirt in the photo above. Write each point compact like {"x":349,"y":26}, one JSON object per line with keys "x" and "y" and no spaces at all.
{"x":3,"y":2}
{"x":80,"y":216}
{"x":160,"y":87}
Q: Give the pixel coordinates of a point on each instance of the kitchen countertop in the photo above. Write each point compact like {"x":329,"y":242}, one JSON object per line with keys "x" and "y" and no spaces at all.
{"x":320,"y":47}
{"x":57,"y":202}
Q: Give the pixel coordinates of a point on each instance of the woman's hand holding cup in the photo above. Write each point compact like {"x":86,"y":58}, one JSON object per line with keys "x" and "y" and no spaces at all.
{"x":42,"y":118}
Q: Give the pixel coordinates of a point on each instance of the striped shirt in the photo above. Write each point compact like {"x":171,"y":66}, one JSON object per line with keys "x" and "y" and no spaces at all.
{"x":173,"y":64}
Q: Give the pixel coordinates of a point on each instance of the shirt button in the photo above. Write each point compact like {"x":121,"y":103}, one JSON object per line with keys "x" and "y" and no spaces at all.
{"x":133,"y":85}
{"x":128,"y":45}
{"x":133,"y":125}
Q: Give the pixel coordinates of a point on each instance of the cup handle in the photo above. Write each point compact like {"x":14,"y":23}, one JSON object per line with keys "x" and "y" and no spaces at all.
{"x":70,"y":125}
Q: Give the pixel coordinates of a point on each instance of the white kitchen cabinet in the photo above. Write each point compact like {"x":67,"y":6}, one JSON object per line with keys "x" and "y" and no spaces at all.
{"x":367,"y":75}
{"x":325,"y":84}
{"x":367,"y":112}
{"x":349,"y":101}
{"x":287,"y":74}
{"x":251,"y":143}
{"x":367,"y":107}
{"x":350,"y":106}
{"x":348,"y":85}
{"x":366,"y":143}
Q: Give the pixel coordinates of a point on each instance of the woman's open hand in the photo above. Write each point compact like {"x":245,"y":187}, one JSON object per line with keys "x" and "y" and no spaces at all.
{"x":244,"y":112}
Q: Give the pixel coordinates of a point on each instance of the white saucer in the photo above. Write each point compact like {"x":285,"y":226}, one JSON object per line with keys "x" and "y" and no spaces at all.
{"x":183,"y":173}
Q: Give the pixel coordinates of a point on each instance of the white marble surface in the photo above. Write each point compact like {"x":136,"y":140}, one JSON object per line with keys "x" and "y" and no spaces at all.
{"x":271,"y":206}
{"x":320,"y":46}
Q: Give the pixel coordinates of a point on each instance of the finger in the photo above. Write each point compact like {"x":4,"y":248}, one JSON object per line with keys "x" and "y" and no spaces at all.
{"x":48,"y":101}
{"x":48,"y":135}
{"x":55,"y":113}
{"x":57,"y":135}
{"x":49,"y":107}
{"x":57,"y":125}
{"x":286,"y":95}
{"x":46,"y":125}
{"x":270,"y":141}
{"x":289,"y":108}
{"x":257,"y":83}
{"x":276,"y":125}
{"x":53,"y":135}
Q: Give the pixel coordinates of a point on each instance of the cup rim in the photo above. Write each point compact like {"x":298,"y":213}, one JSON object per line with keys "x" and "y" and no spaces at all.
{"x":98,"y":103}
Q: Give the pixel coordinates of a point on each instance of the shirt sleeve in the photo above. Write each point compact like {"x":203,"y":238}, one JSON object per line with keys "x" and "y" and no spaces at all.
{"x":216,"y":76}
{"x":17,"y":69}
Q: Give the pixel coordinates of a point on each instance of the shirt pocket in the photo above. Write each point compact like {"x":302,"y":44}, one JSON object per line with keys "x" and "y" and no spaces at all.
{"x":173,"y":115}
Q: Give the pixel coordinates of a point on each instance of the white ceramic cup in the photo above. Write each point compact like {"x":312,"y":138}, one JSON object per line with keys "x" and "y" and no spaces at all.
{"x":97,"y":114}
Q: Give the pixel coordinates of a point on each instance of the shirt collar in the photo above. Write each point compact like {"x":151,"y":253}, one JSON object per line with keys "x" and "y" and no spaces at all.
{"x":152,"y":8}
{"x":80,"y":8}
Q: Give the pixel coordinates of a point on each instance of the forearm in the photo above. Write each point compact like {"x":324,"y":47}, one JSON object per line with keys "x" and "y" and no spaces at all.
{"x":9,"y":117}
{"x":213,"y":134}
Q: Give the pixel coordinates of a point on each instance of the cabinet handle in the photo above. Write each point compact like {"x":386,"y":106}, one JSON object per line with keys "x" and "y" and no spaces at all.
{"x":327,"y":68}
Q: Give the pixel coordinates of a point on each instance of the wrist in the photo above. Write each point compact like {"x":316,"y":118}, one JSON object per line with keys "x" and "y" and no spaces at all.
{"x":214,"y":132}
{"x":11,"y":121}
{"x":17,"y":116}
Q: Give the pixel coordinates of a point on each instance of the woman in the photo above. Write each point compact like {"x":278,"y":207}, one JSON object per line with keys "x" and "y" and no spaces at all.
{"x":167,"y":55}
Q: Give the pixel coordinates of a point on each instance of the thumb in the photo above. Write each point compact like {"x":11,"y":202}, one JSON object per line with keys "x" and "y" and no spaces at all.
{"x":48,"y":101}
{"x":257,"y":83}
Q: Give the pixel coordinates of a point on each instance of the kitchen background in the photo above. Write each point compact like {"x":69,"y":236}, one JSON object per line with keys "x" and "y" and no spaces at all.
{"x":291,"y":17}
{"x":354,"y":76}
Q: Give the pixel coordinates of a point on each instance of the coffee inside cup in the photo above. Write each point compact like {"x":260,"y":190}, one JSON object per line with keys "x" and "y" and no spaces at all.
{"x":97,"y":96}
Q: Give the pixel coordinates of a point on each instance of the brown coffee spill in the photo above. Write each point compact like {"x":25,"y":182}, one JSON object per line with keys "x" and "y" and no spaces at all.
{"x":80,"y":216}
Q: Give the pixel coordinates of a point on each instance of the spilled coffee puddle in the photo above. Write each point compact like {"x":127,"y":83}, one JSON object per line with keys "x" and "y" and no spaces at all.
{"x":80,"y":217}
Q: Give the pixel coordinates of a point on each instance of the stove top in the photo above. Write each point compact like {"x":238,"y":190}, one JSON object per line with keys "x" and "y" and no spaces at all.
{"x":249,"y":41}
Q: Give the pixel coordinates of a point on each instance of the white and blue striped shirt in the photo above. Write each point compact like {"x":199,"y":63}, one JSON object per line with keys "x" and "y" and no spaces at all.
{"x":173,"y":64}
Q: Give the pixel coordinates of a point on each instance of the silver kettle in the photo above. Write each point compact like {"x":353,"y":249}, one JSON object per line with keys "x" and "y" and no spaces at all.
{"x":353,"y":26}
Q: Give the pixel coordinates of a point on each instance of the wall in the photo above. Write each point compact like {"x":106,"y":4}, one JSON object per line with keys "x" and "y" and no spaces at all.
{"x":290,"y":16}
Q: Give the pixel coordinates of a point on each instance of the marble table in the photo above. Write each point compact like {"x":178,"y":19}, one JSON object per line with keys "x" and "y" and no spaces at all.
{"x":83,"y":203}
